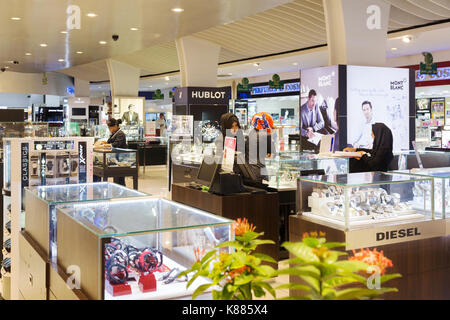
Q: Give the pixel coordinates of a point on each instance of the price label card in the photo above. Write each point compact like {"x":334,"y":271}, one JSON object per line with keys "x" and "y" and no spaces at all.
{"x":228,"y":154}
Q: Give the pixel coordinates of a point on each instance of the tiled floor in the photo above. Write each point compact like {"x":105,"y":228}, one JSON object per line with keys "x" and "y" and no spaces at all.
{"x":154,"y":181}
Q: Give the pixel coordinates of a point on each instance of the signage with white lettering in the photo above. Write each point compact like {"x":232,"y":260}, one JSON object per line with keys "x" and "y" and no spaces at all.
{"x":372,"y":237}
{"x":442,"y":74}
{"x":288,"y":87}
{"x":25,"y":164}
{"x":82,"y":176}
{"x":204,"y":96}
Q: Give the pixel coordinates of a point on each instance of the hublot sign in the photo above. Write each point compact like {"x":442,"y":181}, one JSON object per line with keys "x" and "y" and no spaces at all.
{"x":203,"y":96}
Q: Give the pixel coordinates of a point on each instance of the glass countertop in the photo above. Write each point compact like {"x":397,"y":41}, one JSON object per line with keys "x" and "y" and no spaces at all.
{"x":121,"y":218}
{"x":84,"y":192}
{"x":299,"y":157}
{"x":362,"y":179}
{"x":427,"y":172}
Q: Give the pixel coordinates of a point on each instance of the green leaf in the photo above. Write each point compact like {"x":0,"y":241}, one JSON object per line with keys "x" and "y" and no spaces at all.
{"x":268,"y":287}
{"x":311,"y":242}
{"x":233,"y":244}
{"x":388,"y":277}
{"x":243,"y":279}
{"x":331,"y":245}
{"x":265,"y":271}
{"x":248,"y":236}
{"x":260,"y":242}
{"x":293,"y":286}
{"x":195,"y":276}
{"x":264,"y":257}
{"x":338,"y":281}
{"x":200,"y":290}
{"x":207,"y":256}
{"x":258,"y":291}
{"x":361,"y":293}
{"x":295,"y":298}
{"x":301,"y":250}
{"x":351,"y":266}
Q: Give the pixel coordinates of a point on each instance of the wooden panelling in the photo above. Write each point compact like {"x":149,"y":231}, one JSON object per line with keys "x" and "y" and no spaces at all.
{"x":37,"y":221}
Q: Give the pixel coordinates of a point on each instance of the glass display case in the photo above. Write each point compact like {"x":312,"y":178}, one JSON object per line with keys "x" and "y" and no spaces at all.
{"x":422,"y":191}
{"x":41,"y":202}
{"x":110,"y":158}
{"x":21,"y":130}
{"x":284,"y":168}
{"x":136,"y":249}
{"x":361,"y":199}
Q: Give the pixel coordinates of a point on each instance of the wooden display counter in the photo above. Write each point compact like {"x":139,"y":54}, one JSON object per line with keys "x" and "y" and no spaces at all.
{"x":260,"y":209}
{"x":424,"y":263}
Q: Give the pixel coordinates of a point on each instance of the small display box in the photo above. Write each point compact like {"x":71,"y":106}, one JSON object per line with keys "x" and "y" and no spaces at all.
{"x":116,"y":162}
{"x":135,"y":249}
{"x":284,"y":169}
{"x":359,"y":200}
{"x":41,"y":202}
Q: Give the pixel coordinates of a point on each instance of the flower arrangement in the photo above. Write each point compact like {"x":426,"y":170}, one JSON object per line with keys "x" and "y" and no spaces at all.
{"x":238,"y":274}
{"x":325,"y":276}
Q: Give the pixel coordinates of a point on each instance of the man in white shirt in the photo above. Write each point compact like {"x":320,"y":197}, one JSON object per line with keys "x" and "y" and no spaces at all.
{"x":364,"y":138}
{"x":161,"y":125}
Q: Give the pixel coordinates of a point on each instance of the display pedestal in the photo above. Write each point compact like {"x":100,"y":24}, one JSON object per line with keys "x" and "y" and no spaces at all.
{"x":424,"y":264}
{"x":147,"y":282}
{"x":118,"y":289}
{"x":261,"y":210}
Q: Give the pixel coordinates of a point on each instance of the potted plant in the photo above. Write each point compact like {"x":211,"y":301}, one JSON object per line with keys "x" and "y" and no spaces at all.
{"x":325,"y":276}
{"x":236,"y":274}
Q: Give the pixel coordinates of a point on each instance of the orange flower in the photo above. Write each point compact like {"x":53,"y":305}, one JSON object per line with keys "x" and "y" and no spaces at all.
{"x":241,"y":227}
{"x":198,"y":253}
{"x":239,"y":271}
{"x":373,"y":258}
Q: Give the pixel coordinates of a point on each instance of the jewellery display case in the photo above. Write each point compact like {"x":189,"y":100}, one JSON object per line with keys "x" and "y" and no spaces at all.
{"x":285,"y":168}
{"x":133,"y":133}
{"x":116,"y":162}
{"x":41,"y":202}
{"x":135,"y":249}
{"x":38,"y":161}
{"x":363,"y":199}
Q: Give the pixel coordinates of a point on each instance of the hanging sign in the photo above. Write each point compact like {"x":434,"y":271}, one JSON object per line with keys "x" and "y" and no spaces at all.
{"x":158,"y":95}
{"x":244,"y":86}
{"x":228,"y":154}
{"x":25,"y":165}
{"x":276,"y":82}
{"x":428,"y":67}
{"x":288,"y":87}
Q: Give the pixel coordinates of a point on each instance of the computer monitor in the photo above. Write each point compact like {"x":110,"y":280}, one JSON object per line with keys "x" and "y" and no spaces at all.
{"x":207,"y":171}
{"x":243,"y":168}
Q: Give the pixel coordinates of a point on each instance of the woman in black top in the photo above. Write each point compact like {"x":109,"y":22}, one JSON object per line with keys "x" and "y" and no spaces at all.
{"x":380,"y":156}
{"x":117,"y":139}
{"x":230,"y":127}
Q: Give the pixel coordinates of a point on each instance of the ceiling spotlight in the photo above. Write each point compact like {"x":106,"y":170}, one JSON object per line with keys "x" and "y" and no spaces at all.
{"x":79,"y":52}
{"x":166,"y":78}
{"x":177,"y":9}
{"x":150,"y":86}
{"x":259,"y":69}
{"x":134,"y":29}
{"x":256,"y":64}
{"x":61,"y":60}
{"x":295,"y":64}
{"x":102,"y":42}
{"x":407,"y":39}
{"x":28,"y":54}
{"x":230,"y":74}
{"x":64,"y":32}
{"x":43,"y":45}
{"x":394,"y":49}
{"x":91,"y":15}
{"x":16,"y":18}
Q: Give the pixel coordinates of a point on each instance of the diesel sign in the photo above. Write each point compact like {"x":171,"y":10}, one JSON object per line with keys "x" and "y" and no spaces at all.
{"x":394,"y":234}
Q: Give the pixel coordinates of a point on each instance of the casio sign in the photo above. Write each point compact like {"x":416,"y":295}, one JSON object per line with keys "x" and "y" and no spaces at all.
{"x":394,"y":234}
{"x":208,"y":95}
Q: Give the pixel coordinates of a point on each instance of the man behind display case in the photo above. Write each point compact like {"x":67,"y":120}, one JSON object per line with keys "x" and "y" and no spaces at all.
{"x":130,"y":118}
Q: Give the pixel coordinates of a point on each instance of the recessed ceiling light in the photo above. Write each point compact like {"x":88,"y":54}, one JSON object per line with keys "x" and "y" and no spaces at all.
{"x":79,"y":52}
{"x":102,"y":42}
{"x":295,"y":63}
{"x":150,"y":86}
{"x":16,"y":18}
{"x":64,"y":32}
{"x":259,"y":69}
{"x":177,"y":9}
{"x":6,"y":67}
{"x":256,"y":64}
{"x":61,"y":60}
{"x":43,"y":45}
{"x":407,"y":39}
{"x":230,"y":74}
{"x":28,"y":54}
{"x":91,"y":15}
{"x":134,"y":29}
{"x":166,"y":78}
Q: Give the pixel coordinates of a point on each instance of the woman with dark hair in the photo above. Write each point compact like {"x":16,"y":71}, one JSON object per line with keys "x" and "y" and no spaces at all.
{"x":380,"y":156}
{"x":230,"y":127}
